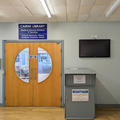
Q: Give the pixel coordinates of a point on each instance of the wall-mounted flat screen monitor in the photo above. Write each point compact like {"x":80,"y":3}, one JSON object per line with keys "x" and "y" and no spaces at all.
{"x":94,"y":48}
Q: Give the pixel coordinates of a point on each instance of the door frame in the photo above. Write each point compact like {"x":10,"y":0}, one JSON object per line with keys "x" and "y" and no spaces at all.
{"x":33,"y":41}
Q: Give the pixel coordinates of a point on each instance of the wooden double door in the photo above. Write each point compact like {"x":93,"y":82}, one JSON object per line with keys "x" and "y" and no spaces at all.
{"x":32,"y":92}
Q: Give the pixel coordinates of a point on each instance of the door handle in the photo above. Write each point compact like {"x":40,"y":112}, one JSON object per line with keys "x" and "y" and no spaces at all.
{"x":30,"y":74}
{"x":34,"y":73}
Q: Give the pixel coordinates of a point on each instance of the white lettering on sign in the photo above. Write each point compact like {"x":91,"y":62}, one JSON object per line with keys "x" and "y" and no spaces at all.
{"x":25,"y":26}
{"x":38,"y":26}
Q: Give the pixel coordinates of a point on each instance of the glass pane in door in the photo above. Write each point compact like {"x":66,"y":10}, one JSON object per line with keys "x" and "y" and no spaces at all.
{"x":22,"y":65}
{"x":44,"y":65}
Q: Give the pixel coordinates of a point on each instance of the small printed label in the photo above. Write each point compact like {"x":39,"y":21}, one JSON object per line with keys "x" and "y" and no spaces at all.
{"x":80,"y":95}
{"x":35,"y":56}
{"x":30,"y":56}
{"x":79,"y":79}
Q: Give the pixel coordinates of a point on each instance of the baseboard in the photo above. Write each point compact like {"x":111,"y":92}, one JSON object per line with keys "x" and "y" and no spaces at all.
{"x":96,"y":105}
{"x":108,"y":105}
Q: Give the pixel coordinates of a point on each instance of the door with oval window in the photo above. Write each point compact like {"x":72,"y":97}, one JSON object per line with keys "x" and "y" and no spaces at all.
{"x":33,"y":73}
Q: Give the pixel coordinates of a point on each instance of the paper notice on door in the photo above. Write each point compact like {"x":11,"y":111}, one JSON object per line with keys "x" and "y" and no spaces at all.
{"x":79,"y":79}
{"x":80,"y":95}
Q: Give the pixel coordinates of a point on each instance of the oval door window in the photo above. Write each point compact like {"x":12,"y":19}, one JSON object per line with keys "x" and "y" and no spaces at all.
{"x":44,"y":65}
{"x":22,"y":65}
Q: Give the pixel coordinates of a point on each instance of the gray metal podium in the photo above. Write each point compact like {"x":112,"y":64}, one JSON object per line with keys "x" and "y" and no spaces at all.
{"x":79,"y":93}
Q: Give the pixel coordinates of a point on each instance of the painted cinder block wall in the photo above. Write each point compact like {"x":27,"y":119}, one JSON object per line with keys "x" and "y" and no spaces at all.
{"x":107,"y":69}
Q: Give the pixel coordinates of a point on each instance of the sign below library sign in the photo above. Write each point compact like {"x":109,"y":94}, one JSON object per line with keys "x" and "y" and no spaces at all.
{"x":32,"y":31}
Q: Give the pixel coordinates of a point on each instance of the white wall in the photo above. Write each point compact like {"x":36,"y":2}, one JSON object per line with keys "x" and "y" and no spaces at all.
{"x":107,"y":69}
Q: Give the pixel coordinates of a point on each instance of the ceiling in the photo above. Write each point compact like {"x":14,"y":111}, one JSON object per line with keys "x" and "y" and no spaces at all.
{"x":61,"y":10}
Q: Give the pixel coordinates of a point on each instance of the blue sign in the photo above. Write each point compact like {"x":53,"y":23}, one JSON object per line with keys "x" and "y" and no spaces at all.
{"x":80,"y":91}
{"x":32,"y":31}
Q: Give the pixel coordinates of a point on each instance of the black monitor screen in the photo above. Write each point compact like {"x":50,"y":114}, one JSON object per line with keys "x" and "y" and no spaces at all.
{"x":94,"y":48}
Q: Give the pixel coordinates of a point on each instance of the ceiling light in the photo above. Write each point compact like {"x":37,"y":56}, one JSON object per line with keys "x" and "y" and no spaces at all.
{"x":46,"y":8}
{"x":112,"y":8}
